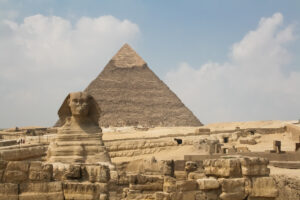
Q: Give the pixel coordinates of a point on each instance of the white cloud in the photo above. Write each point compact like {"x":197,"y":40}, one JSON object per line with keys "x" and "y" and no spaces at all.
{"x":256,"y":83}
{"x":44,"y":58}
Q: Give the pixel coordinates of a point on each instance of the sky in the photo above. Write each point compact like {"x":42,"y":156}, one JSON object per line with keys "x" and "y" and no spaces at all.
{"x":226,"y":60}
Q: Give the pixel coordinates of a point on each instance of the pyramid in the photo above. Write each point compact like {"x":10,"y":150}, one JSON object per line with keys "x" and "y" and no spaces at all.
{"x":130,"y":94}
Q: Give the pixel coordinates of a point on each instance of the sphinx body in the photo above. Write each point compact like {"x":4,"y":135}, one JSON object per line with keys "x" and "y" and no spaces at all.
{"x":79,"y":140}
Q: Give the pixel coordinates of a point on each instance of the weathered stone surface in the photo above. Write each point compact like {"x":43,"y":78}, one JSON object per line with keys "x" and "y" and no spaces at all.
{"x":139,"y":195}
{"x":207,"y":195}
{"x":196,"y":175}
{"x":40,"y":191}
{"x":208,"y":184}
{"x":142,"y":179}
{"x":98,"y":173}
{"x":208,"y":146}
{"x":20,"y":154}
{"x":145,"y":183}
{"x":2,"y":168}
{"x":222,"y":167}
{"x":155,"y":186}
{"x":288,"y":187}
{"x":73,"y":172}
{"x":169,"y":184}
{"x":263,"y":187}
{"x":254,"y":166}
{"x":79,"y":191}
{"x":190,"y":166}
{"x":263,"y":198}
{"x":188,"y":185}
{"x":39,"y":171}
{"x":16,"y":172}
{"x":9,"y":191}
{"x":168,"y":167}
{"x":162,"y":196}
{"x":248,"y":140}
{"x":233,"y":188}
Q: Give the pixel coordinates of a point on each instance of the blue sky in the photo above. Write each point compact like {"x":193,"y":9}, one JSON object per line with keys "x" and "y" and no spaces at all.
{"x":171,"y":36}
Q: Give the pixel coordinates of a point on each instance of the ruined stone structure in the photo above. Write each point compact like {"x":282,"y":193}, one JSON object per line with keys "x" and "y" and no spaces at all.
{"x":130,"y":94}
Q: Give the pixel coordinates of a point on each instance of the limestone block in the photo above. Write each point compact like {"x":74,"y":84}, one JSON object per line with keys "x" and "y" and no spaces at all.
{"x":142,"y":179}
{"x":97,"y":173}
{"x":16,"y":172}
{"x":168,"y":167}
{"x":248,"y":140}
{"x":162,"y":196}
{"x":176,"y":196}
{"x":60,"y":170}
{"x":169,"y":184}
{"x":233,"y":188}
{"x":23,"y":153}
{"x":41,"y":190}
{"x":208,"y":184}
{"x":73,"y":172}
{"x":2,"y":168}
{"x":103,"y":197}
{"x":190,"y":166}
{"x":114,"y":176}
{"x":207,"y":195}
{"x":79,"y":191}
{"x":263,"y":187}
{"x":39,"y":171}
{"x":288,"y":187}
{"x":222,"y":167}
{"x":188,"y":185}
{"x":155,"y":186}
{"x":123,"y":179}
{"x":9,"y":191}
{"x":191,"y":195}
{"x":196,"y":175}
{"x":264,"y":198}
{"x":138,"y":195}
{"x":125,"y":192}
{"x":254,"y":166}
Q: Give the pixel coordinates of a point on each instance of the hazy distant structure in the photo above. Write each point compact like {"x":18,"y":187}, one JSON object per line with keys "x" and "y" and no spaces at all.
{"x":130,"y":94}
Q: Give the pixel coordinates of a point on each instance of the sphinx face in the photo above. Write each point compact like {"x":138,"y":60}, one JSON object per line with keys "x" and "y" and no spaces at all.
{"x":79,"y":105}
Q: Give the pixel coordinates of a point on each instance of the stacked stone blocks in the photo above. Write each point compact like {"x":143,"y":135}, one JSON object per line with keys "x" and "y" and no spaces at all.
{"x":24,"y":180}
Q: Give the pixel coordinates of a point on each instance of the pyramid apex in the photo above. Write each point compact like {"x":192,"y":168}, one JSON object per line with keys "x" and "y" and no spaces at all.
{"x":126,"y":57}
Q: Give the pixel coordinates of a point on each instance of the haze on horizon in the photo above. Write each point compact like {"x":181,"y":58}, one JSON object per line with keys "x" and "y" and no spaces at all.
{"x":226,"y":61}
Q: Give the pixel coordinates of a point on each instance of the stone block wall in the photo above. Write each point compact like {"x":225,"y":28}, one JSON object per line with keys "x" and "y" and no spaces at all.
{"x":228,"y":178}
{"x":24,"y":180}
{"x":220,"y":179}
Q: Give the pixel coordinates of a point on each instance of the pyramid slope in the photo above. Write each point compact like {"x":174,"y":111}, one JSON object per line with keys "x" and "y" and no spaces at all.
{"x":130,"y":94}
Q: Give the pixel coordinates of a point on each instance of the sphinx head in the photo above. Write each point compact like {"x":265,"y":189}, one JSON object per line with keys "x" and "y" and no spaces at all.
{"x":80,"y":106}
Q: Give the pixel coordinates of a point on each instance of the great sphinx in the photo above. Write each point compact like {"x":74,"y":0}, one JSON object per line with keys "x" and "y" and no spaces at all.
{"x":79,"y":140}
